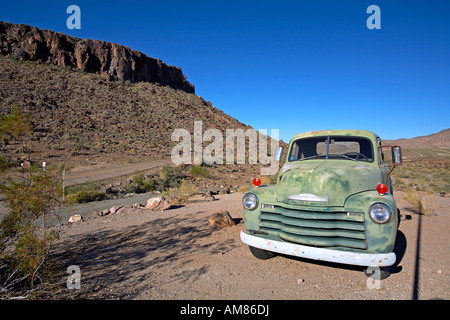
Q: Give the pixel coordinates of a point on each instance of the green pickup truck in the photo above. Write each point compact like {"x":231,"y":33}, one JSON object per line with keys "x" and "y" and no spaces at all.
{"x":333,"y":201}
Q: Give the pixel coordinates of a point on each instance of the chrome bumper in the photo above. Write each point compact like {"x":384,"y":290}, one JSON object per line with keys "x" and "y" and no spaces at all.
{"x":337,"y":256}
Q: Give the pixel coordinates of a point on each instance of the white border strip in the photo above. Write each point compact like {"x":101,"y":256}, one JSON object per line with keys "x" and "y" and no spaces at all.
{"x":337,"y":256}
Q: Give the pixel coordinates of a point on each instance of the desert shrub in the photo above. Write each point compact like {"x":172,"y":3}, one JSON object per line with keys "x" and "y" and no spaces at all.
{"x":31,"y":194}
{"x":170,"y":177}
{"x":199,"y":171}
{"x":144,"y":185}
{"x":243,"y":189}
{"x":85,"y":196}
{"x":130,"y":187}
{"x":29,"y":255}
{"x":181,"y":194}
{"x":5,"y":163}
{"x":421,"y":203}
{"x":85,"y":192}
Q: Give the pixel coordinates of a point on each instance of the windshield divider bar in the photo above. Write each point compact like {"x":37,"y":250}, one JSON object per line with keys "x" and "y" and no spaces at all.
{"x":328,"y":146}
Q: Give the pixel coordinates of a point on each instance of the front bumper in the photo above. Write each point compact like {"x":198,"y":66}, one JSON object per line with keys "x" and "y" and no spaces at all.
{"x":337,"y":256}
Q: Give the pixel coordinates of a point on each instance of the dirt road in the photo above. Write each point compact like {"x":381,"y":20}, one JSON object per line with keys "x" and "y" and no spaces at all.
{"x":83,"y":174}
{"x":175,"y":254}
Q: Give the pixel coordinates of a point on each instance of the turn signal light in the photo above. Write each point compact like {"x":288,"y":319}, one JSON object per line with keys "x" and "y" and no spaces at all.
{"x":257,"y":182}
{"x":381,"y":188}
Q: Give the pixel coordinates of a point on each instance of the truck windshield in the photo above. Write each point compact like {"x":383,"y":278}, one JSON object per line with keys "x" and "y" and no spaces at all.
{"x":332,"y":147}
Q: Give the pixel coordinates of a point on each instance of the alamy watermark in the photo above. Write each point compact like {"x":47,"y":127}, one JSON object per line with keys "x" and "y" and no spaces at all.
{"x":74,"y":280}
{"x":374,"y":278}
{"x":374,"y":20}
{"x":192,"y":152}
{"x":74,"y":20}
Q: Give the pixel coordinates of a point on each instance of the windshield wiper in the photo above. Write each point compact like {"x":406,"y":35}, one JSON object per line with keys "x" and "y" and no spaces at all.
{"x":315,"y":156}
{"x":346,"y":157}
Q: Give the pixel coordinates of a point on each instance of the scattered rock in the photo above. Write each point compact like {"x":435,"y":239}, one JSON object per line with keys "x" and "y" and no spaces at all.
{"x":75,"y":218}
{"x":105,"y":212}
{"x":96,"y":214}
{"x":114,"y":209}
{"x":221,"y":219}
{"x":159,"y":203}
{"x":300,"y":280}
{"x":209,"y":197}
{"x":225,"y":191}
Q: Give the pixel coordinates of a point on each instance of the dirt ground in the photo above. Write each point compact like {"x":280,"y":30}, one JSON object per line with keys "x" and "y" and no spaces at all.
{"x":175,"y":254}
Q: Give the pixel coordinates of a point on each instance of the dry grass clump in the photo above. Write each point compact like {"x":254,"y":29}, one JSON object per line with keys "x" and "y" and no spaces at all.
{"x":421,"y":202}
{"x":181,"y":194}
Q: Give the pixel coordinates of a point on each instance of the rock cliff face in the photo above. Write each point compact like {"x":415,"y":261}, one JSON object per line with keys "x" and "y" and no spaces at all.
{"x":111,"y":61}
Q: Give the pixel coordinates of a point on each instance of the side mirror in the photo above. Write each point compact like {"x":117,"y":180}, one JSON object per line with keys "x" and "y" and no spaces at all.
{"x":396,"y":155}
{"x":278,"y":153}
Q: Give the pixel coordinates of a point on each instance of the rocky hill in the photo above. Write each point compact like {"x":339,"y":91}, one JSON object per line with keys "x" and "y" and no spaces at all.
{"x":111,"y":61}
{"x":92,"y":101}
{"x":440,"y":139}
{"x":77,"y":113}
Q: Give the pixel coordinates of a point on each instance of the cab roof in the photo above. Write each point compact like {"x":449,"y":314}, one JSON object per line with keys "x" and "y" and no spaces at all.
{"x":353,"y":133}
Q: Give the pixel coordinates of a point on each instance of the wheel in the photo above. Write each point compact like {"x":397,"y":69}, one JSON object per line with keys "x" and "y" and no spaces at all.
{"x":261,"y":254}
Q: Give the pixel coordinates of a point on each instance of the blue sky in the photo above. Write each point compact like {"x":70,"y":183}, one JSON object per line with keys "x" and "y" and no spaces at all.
{"x":290,"y":65}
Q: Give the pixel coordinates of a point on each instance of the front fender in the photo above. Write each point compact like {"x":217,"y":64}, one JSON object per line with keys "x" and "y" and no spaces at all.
{"x":265,"y":194}
{"x":380,"y":237}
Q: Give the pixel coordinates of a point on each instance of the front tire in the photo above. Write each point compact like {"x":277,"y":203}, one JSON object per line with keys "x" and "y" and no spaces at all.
{"x":261,"y":254}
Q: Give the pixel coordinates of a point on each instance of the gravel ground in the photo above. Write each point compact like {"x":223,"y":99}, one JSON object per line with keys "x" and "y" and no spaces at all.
{"x":175,"y":254}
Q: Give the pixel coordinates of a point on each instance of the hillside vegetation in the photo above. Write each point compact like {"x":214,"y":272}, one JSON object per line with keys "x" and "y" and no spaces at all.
{"x":75,"y":113}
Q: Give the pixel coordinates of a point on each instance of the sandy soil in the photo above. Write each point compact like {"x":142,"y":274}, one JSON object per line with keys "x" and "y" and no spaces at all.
{"x":175,"y":254}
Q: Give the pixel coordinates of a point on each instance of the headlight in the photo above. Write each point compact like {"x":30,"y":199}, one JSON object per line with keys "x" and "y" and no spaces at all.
{"x":250,"y":201}
{"x":380,"y":213}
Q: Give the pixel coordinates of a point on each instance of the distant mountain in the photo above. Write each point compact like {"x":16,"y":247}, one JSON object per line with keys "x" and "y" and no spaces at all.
{"x":435,"y":140}
{"x":110,"y":60}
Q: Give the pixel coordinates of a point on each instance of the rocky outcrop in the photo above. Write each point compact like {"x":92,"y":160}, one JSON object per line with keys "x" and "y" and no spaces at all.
{"x":110,"y":60}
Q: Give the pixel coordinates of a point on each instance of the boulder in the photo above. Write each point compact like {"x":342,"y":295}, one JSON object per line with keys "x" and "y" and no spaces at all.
{"x":75,"y":218}
{"x":114,"y":209}
{"x":221,"y":219}
{"x":209,"y":197}
{"x":157,"y":204}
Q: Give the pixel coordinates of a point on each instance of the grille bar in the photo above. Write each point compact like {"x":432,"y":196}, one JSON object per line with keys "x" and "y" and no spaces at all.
{"x":316,"y":228}
{"x":309,"y":223}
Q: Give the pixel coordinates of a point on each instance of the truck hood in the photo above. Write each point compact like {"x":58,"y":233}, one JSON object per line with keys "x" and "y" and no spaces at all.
{"x":325,"y":182}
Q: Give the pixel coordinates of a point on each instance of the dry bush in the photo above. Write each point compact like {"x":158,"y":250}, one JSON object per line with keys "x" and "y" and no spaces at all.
{"x":421,"y":203}
{"x":181,"y":194}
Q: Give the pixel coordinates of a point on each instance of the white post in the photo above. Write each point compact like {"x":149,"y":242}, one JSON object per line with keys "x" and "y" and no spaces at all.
{"x":43,"y":214}
{"x":64,"y":178}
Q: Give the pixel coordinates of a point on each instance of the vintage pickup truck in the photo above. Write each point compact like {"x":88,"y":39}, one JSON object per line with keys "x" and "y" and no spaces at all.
{"x":333,"y":201}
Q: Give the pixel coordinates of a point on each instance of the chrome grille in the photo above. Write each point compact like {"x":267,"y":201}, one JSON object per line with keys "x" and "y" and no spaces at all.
{"x":314,"y":228}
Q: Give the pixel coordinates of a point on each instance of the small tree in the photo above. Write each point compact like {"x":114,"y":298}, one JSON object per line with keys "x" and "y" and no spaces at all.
{"x":16,"y":126}
{"x":30,"y":193}
{"x":30,"y":196}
